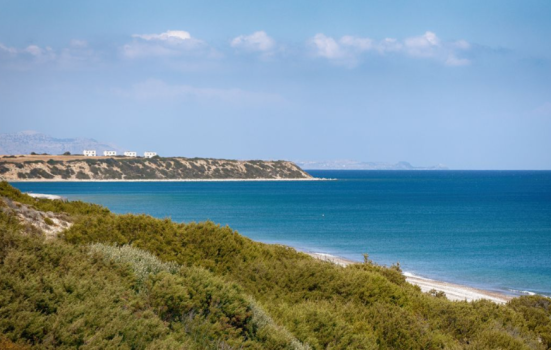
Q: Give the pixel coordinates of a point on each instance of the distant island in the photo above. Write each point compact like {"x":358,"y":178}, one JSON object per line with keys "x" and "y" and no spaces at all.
{"x":82,"y":168}
{"x":356,"y":165}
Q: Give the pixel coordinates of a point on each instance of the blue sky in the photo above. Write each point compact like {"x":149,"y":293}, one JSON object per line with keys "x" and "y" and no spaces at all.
{"x":463,"y":83}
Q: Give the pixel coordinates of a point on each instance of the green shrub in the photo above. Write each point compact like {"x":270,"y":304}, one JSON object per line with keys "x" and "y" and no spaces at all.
{"x":48,"y":221}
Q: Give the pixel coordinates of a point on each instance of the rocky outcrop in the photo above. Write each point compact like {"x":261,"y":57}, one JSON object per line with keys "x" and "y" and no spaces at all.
{"x":59,"y":168}
{"x":47,"y":223}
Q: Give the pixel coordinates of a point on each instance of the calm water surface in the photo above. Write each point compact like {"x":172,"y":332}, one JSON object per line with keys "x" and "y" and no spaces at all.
{"x":487,"y":229}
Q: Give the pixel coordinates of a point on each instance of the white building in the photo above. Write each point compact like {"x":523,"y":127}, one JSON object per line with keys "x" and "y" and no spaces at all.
{"x":89,"y":153}
{"x":130,"y":154}
{"x":149,"y":154}
{"x":109,"y":153}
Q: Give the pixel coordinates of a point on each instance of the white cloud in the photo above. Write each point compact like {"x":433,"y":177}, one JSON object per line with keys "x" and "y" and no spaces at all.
{"x":28,"y":57}
{"x":327,"y":47}
{"x":389,"y":45}
{"x":158,"y":90}
{"x":31,"y":53}
{"x":348,"y":49}
{"x":344,"y":51}
{"x":360,"y":44}
{"x":7,"y":50}
{"x":256,"y":42}
{"x":425,"y":45}
{"x":169,"y":43}
{"x":34,"y":50}
{"x":170,"y":35}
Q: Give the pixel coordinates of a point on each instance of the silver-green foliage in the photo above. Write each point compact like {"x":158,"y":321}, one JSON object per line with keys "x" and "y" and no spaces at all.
{"x":145,"y":265}
{"x":142,"y":263}
{"x":266,"y":324}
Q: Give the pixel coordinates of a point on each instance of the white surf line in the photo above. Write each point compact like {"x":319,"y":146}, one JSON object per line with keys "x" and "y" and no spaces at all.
{"x":45,"y":196}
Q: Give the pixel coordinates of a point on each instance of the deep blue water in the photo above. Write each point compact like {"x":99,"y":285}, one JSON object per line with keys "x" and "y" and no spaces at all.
{"x":487,"y":229}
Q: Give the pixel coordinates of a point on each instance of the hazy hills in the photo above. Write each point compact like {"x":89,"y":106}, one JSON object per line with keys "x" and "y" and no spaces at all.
{"x":26,"y":142}
{"x":355,"y":165}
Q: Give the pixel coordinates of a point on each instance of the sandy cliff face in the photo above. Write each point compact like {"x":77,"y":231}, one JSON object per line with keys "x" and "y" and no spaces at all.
{"x":120,"y":168}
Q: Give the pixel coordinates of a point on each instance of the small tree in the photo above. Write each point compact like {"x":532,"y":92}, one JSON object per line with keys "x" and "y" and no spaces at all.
{"x":33,"y":153}
{"x":67,"y":153}
{"x":397,"y":267}
{"x":437,"y":293}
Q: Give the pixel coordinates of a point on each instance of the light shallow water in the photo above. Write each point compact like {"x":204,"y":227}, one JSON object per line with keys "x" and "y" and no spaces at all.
{"x":486,"y":229}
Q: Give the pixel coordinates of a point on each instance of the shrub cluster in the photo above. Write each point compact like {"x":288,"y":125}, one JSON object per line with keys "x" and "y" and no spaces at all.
{"x":56,"y":295}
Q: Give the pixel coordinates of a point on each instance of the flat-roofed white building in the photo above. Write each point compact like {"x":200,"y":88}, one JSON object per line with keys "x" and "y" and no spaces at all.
{"x":149,"y":154}
{"x":89,"y":153}
{"x":130,"y":154}
{"x":109,"y":153}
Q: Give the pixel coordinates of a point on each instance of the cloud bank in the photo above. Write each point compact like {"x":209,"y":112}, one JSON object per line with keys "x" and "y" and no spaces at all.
{"x":348,"y":49}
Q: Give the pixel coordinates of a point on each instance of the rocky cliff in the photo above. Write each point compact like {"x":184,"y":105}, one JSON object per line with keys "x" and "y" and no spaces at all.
{"x":58,"y":168}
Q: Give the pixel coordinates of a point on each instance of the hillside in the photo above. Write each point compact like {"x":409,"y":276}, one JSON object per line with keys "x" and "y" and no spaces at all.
{"x":26,"y":142}
{"x":111,"y":281}
{"x":59,"y":168}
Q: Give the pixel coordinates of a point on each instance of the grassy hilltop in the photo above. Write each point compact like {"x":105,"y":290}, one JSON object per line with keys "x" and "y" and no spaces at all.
{"x":107,"y":281}
{"x":60,"y":168}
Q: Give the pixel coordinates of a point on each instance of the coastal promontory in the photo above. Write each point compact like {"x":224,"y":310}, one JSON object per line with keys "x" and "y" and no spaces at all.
{"x":75,"y":167}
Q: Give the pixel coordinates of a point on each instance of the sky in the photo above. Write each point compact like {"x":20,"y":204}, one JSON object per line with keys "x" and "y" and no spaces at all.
{"x":461,"y":83}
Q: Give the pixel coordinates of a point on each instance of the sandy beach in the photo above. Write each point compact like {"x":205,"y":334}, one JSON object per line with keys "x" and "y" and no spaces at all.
{"x":454,"y":292}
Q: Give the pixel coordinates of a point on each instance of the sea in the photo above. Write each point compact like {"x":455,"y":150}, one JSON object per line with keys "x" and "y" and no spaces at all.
{"x":485,"y":229}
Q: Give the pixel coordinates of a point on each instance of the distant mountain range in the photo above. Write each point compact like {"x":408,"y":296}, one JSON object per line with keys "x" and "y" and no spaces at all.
{"x":355,"y":165}
{"x":26,"y":142}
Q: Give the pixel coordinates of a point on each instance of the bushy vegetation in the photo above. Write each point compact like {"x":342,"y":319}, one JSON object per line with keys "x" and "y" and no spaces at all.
{"x":56,"y":295}
{"x":160,"y":284}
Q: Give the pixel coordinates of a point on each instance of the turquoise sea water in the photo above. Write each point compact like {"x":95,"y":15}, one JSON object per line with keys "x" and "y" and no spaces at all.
{"x":487,"y":229}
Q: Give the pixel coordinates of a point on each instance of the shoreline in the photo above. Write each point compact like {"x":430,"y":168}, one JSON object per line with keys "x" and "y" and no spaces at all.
{"x":454,"y":292}
{"x":166,"y":180}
